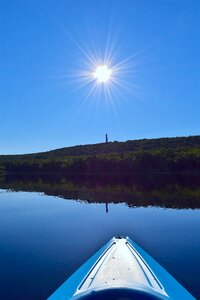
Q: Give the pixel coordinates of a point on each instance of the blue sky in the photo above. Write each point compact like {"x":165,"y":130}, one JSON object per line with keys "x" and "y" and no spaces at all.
{"x":46,"y":47}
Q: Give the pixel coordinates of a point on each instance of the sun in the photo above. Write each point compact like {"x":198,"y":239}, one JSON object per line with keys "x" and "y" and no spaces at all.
{"x":102,"y":74}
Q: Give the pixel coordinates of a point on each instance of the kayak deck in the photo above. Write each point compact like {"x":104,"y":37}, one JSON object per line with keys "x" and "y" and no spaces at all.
{"x":120,"y":265}
{"x":121,"y":270}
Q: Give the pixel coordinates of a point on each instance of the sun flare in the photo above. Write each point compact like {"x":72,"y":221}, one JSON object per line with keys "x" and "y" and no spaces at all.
{"x":102,"y":74}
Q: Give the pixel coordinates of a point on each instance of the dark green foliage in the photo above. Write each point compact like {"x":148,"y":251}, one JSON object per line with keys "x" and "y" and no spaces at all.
{"x":2,"y":170}
{"x":179,"y":154}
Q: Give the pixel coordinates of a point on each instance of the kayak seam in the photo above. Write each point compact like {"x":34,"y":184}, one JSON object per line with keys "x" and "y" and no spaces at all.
{"x":132,"y":249}
{"x":87,"y":275}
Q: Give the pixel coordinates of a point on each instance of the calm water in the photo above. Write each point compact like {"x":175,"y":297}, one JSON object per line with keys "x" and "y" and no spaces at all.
{"x":44,"y":239}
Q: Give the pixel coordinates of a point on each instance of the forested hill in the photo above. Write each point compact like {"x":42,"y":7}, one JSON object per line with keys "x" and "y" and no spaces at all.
{"x":114,"y":147}
{"x":163,"y":154}
{"x":132,"y":145}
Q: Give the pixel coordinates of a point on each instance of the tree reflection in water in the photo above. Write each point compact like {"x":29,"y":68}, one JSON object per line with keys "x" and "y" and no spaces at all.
{"x":163,"y":190}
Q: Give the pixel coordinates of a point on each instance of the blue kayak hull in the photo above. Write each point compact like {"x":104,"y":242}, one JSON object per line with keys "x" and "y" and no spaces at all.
{"x":121,"y":268}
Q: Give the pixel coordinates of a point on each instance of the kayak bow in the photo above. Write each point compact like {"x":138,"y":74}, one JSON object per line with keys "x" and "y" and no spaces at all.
{"x":121,"y":270}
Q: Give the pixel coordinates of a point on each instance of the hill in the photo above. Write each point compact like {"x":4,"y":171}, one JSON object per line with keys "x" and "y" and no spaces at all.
{"x":119,"y":147}
{"x":178,"y":154}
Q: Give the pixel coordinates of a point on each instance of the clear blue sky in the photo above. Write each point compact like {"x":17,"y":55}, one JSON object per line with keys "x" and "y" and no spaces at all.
{"x":44,"y":50}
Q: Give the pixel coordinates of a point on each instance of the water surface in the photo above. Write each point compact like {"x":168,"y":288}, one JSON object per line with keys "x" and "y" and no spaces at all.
{"x":44,"y":238}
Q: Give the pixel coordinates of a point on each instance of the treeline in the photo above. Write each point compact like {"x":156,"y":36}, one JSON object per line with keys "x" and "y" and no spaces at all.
{"x":183,"y":159}
{"x":112,"y":147}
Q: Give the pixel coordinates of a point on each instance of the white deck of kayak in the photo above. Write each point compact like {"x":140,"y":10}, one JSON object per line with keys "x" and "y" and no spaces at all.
{"x":120,"y":265}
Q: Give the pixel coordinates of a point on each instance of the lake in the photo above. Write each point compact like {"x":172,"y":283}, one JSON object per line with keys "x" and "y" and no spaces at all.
{"x":49,"y":227}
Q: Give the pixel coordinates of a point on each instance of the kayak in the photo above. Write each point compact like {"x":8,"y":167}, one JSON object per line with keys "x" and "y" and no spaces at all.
{"x":121,"y":270}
